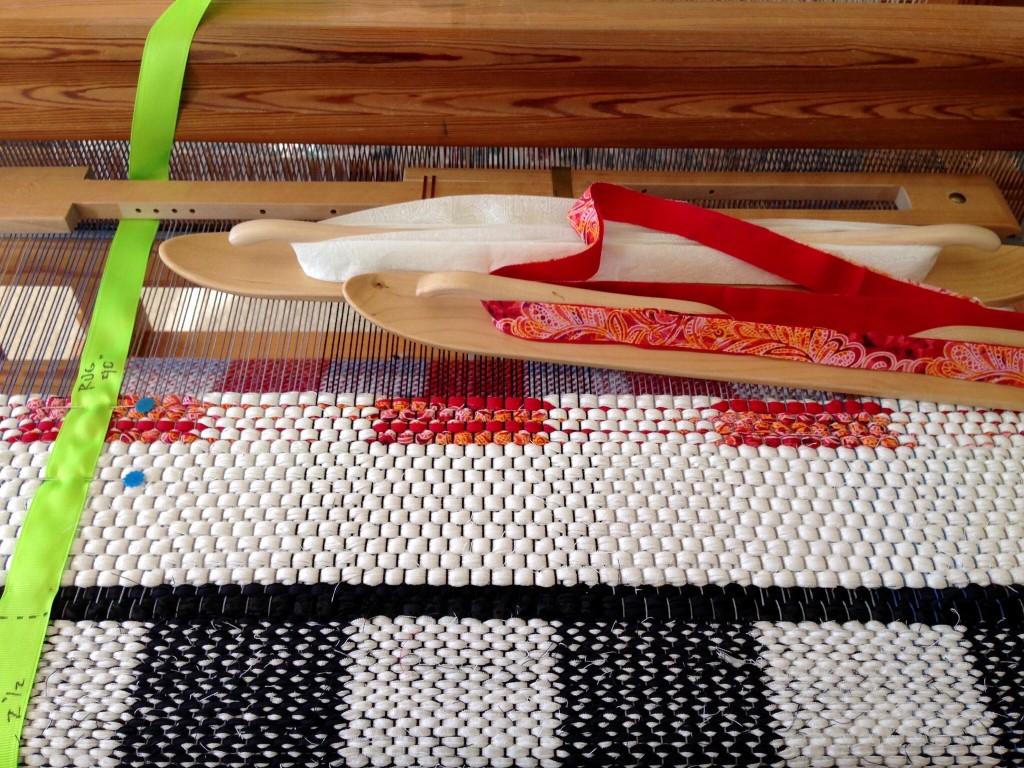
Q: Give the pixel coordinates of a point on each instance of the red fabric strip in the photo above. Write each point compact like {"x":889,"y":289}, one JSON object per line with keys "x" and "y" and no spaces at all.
{"x":839,"y":294}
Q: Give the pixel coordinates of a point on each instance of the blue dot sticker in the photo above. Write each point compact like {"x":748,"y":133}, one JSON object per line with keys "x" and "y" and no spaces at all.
{"x":134,"y":479}
{"x":145,"y":405}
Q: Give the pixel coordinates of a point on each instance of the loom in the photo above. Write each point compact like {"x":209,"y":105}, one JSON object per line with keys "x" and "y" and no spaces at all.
{"x":896,"y":112}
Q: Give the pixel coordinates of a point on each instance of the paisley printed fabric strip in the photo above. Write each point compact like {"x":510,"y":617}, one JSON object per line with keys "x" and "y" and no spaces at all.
{"x":815,"y":326}
{"x":668,"y":330}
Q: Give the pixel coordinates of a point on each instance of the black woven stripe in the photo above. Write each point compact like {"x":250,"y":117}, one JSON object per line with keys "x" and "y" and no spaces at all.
{"x":330,"y":602}
{"x":999,"y":658}
{"x":639,"y":694}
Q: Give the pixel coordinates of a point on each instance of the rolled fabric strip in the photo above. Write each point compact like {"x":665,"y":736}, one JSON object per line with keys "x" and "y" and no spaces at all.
{"x":484,"y":233}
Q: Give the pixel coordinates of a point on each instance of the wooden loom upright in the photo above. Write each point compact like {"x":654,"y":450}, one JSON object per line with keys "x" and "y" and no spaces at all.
{"x":889,"y":90}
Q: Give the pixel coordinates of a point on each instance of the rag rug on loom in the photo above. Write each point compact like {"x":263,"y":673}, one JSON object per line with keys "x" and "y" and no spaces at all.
{"x":533,"y":579}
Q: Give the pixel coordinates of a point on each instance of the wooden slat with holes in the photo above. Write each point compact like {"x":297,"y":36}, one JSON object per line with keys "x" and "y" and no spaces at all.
{"x":914,"y":198}
{"x":533,"y":73}
{"x":56,"y":199}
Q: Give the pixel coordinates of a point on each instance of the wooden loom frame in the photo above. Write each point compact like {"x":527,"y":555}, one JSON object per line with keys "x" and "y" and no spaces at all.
{"x":601,"y":73}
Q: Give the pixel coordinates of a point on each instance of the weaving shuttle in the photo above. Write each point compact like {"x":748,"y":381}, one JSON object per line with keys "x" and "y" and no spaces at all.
{"x":461,"y":323}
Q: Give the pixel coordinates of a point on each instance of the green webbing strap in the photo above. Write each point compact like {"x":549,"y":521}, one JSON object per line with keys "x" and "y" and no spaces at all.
{"x":51,"y":523}
{"x":161,"y":73}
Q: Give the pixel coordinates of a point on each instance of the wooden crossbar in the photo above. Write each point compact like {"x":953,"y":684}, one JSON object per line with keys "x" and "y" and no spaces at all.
{"x":56,"y":199}
{"x":599,"y":73}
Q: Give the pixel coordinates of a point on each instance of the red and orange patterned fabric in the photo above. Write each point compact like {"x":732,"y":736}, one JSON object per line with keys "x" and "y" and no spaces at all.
{"x":850,"y":316}
{"x":664,"y":329}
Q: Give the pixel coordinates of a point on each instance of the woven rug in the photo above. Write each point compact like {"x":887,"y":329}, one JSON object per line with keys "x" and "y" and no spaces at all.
{"x":312,"y":579}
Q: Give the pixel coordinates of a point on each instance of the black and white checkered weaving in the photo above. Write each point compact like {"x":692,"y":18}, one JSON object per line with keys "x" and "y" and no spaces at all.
{"x":587,"y":602}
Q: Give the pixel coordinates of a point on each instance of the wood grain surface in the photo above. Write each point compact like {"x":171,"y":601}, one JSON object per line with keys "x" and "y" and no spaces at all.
{"x":599,"y":73}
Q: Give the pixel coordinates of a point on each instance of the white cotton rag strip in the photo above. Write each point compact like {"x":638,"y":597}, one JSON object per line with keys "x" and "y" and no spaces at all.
{"x":481,"y":233}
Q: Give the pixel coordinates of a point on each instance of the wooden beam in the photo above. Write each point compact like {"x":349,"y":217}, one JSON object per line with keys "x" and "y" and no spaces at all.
{"x":533,"y":73}
{"x":34,"y":200}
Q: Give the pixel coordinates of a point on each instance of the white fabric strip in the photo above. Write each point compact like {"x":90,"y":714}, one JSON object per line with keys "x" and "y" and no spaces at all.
{"x":481,"y":233}
{"x":857,"y":694}
{"x":83,"y":689}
